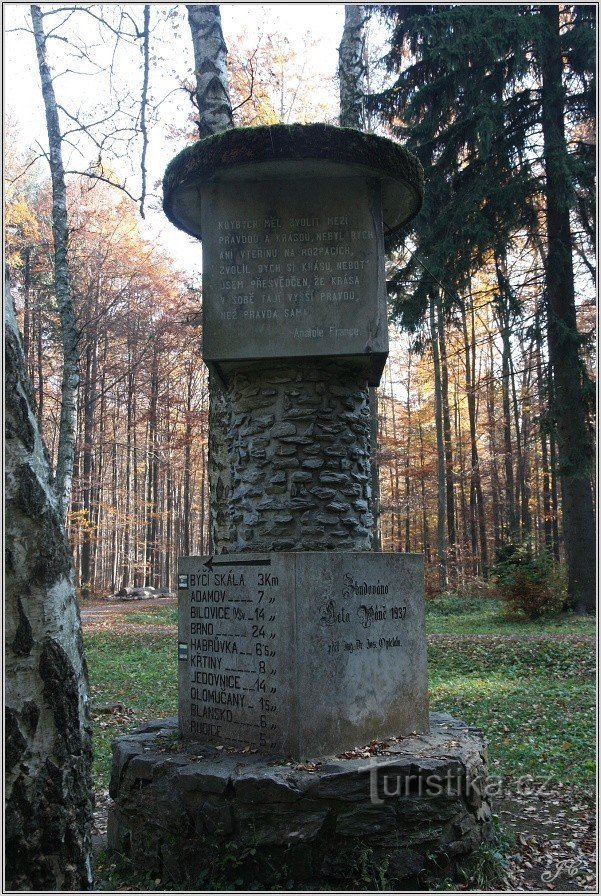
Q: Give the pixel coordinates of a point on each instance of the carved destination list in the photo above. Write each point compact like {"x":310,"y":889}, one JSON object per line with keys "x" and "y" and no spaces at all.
{"x":293,"y":268}
{"x":301,"y":653}
{"x":233,"y":666}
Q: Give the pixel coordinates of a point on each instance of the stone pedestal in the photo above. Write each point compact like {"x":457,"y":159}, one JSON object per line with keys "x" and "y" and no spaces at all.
{"x":197,"y":817}
{"x":301,"y":654}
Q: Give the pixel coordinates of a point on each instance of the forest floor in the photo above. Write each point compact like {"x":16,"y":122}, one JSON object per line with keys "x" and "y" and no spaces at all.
{"x":529,"y":686}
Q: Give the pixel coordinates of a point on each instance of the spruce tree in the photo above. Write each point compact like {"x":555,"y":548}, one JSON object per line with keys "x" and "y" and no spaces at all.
{"x":484,"y":86}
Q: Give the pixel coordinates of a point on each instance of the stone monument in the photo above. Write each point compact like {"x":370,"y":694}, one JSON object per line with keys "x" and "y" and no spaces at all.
{"x":301,"y":654}
{"x":297,"y":644}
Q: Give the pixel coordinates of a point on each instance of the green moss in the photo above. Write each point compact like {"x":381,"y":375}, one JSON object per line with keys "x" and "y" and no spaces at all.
{"x":296,"y":142}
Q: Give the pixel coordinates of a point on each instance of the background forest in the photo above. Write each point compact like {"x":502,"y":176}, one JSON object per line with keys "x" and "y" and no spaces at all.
{"x":475,"y":454}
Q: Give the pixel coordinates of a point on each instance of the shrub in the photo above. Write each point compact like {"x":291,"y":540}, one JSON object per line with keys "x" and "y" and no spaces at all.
{"x":529,"y":583}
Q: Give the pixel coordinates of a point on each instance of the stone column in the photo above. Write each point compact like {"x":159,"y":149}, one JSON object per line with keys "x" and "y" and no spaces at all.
{"x":298,"y":443}
{"x":294,"y":223}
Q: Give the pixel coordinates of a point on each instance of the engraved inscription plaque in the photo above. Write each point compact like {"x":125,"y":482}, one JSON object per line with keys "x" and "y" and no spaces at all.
{"x":294,"y":268}
{"x":301,"y":654}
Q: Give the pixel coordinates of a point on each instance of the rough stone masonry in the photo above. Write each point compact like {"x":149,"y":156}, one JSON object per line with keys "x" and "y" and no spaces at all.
{"x":298,"y":439}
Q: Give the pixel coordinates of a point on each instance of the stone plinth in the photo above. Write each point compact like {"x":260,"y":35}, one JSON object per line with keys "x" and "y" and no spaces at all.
{"x":300,"y":654}
{"x":183,"y":809}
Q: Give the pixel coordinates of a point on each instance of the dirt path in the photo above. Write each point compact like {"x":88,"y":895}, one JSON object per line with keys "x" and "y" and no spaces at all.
{"x":555,"y":840}
{"x":119,"y":615}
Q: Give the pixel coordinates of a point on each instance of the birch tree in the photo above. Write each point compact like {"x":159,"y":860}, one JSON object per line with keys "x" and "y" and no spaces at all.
{"x":47,"y":728}
{"x":351,"y":74}
{"x":351,"y":67}
{"x":214,"y":115}
{"x":60,"y":230}
{"x":210,"y":65}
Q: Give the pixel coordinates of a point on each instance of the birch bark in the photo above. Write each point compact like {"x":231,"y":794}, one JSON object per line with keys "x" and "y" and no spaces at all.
{"x":214,"y":115}
{"x":60,"y":230}
{"x":48,"y":788}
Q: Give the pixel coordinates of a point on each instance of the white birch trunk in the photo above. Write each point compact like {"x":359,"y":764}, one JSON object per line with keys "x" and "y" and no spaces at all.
{"x":210,"y":63}
{"x":48,"y":787}
{"x":351,"y":68}
{"x":60,"y":230}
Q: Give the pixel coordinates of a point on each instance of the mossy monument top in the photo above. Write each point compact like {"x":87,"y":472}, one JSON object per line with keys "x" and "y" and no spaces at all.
{"x":294,"y":222}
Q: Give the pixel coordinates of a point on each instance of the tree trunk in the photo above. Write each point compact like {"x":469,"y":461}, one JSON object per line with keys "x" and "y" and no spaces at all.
{"x":408,"y":462}
{"x":465,"y":537}
{"x":448,"y":449}
{"x":214,"y":115}
{"x":70,"y":380}
{"x":48,"y":788}
{"x":89,"y":406}
{"x":352,"y":69}
{"x":352,"y":78}
{"x":210,"y":55}
{"x":39,"y":408}
{"x":152,"y":508}
{"x":477,"y":515}
{"x":576,"y":453}
{"x":127,"y":534}
{"x":525,"y":487}
{"x":543,"y":431}
{"x":425,"y":532}
{"x":503,"y":317}
{"x":494,"y":470}
{"x":442,"y":559}
{"x":395,"y":514}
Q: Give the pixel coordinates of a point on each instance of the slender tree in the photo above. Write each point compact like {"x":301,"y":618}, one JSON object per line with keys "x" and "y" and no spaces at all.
{"x":352,"y":68}
{"x":60,"y":230}
{"x":210,"y":65}
{"x":214,"y":115}
{"x":441,"y":460}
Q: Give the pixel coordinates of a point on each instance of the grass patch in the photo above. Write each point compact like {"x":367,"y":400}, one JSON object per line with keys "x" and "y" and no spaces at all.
{"x":138,"y":671}
{"x":534,"y":700}
{"x":152,"y":616}
{"x":483,"y":616}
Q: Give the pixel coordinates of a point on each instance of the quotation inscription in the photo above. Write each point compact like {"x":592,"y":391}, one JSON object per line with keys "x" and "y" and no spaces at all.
{"x":293,"y":268}
{"x":279,"y":268}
